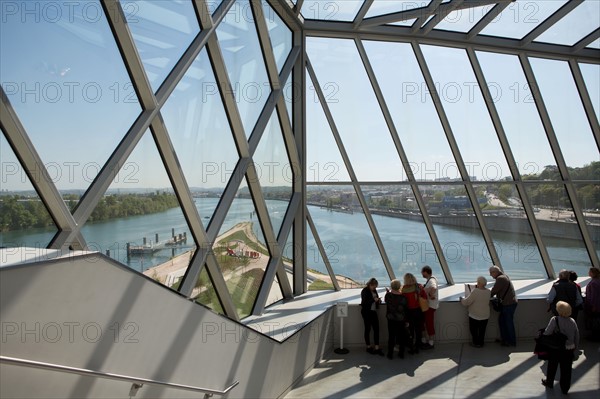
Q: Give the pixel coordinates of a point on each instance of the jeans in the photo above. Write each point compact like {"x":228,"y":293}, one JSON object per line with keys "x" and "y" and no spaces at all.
{"x":507,"y":324}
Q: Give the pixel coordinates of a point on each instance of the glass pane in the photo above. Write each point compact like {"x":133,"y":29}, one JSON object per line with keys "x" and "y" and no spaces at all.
{"x":70,"y":90}
{"x":516,"y":107}
{"x":463,"y":20}
{"x":355,"y":109}
{"x":588,"y":196}
{"x":162,"y":31}
{"x":280,"y":34}
{"x":457,"y":230}
{"x":467,"y":113}
{"x":274,"y":171}
{"x":521,"y":17}
{"x":204,"y":292}
{"x":244,"y":62}
{"x":317,"y":275}
{"x":324,"y":162}
{"x":241,"y":251}
{"x":591,"y":76}
{"x":555,"y":219}
{"x":408,"y":22}
{"x":382,"y":7}
{"x":413,"y":112}
{"x":345,"y":234}
{"x":573,"y":27}
{"x":24,"y":219}
{"x":402,"y":229}
{"x":201,"y":136}
{"x":566,"y":111}
{"x":331,"y":10}
{"x":139,"y":223}
{"x":509,"y":227}
{"x":595,"y":44}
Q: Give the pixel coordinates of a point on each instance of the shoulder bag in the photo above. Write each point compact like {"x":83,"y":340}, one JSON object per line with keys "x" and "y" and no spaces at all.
{"x":545,"y":345}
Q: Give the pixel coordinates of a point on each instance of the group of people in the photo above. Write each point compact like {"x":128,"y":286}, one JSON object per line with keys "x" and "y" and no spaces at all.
{"x":411,"y":324}
{"x":410,"y":309}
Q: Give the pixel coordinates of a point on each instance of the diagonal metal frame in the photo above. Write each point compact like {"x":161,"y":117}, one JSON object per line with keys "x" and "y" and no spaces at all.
{"x":354,"y":181}
{"x":486,"y":20}
{"x":429,"y":11}
{"x":560,"y":160}
{"x":34,"y":167}
{"x":439,"y":16}
{"x":586,"y":41}
{"x":315,"y":233}
{"x":512,"y":163}
{"x":405,"y":162}
{"x":549,"y":22}
{"x":437,"y":101}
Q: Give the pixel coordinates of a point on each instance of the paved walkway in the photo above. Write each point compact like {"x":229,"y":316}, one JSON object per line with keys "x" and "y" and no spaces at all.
{"x":448,"y":371}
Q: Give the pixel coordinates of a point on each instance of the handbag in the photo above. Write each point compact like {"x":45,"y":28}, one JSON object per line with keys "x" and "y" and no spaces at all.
{"x":545,"y":345}
{"x":496,"y":303}
{"x":423,"y":302}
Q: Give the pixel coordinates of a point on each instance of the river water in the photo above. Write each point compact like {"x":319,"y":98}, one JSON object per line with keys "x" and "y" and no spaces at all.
{"x":349,"y":244}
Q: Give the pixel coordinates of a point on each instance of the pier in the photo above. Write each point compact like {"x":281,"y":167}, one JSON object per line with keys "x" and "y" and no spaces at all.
{"x":149,"y":248}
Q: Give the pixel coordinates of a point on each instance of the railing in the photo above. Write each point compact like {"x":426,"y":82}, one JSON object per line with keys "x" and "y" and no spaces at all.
{"x":137,"y":382}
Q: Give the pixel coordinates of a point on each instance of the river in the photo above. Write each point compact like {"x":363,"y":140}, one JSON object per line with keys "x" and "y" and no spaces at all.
{"x":346,"y":237}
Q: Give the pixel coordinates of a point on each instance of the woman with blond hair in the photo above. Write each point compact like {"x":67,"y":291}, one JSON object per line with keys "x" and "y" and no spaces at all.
{"x":478,"y":303}
{"x":412,"y":291}
{"x":396,"y":317}
{"x":564,"y":356}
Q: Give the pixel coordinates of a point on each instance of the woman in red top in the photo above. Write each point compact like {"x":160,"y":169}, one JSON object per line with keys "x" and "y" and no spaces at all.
{"x":412,"y":291}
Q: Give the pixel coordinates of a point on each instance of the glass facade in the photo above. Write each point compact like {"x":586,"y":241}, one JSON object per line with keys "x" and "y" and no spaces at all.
{"x":243,"y":152}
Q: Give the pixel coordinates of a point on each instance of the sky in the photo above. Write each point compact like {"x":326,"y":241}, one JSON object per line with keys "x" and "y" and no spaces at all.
{"x":64,"y":77}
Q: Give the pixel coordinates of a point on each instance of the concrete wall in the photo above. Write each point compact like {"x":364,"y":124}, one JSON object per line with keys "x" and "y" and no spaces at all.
{"x":452,"y":323}
{"x":92,"y":313}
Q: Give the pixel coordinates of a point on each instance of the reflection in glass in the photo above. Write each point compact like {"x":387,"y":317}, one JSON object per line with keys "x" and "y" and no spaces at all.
{"x":289,"y":94}
{"x":24,"y":219}
{"x":69,"y":90}
{"x":243,"y":59}
{"x":331,"y":10}
{"x":566,"y":112}
{"x":280,"y":34}
{"x":201,"y":136}
{"x":139,"y":222}
{"x":402,"y":229}
{"x":516,"y":107}
{"x":457,"y":230}
{"x":324,"y":162}
{"x":274,"y":170}
{"x":591,"y":76}
{"x":345,"y":234}
{"x":413,"y":112}
{"x":162,"y":31}
{"x":355,"y":109}
{"x":521,"y":17}
{"x":554,"y":214}
{"x":466,"y":111}
{"x":213,"y":5}
{"x":509,"y":227}
{"x":241,"y":252}
{"x":573,"y":27}
{"x":204,"y":292}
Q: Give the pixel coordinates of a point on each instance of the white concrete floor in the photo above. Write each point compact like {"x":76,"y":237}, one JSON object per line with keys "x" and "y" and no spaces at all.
{"x":448,"y":371}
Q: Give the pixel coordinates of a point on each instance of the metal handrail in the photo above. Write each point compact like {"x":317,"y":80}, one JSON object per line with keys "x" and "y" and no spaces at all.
{"x":113,"y":376}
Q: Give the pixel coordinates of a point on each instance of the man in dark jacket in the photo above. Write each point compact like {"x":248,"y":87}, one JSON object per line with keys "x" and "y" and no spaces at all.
{"x":563,"y":290}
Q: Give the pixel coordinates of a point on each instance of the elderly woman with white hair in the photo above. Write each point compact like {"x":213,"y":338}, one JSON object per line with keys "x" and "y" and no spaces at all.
{"x":478,"y":303}
{"x":562,"y":357}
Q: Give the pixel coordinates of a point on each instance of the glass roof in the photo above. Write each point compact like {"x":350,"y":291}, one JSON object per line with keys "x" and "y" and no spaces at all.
{"x":563,"y":22}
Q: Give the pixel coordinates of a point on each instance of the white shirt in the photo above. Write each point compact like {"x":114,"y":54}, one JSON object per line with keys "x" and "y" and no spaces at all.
{"x":431,"y":287}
